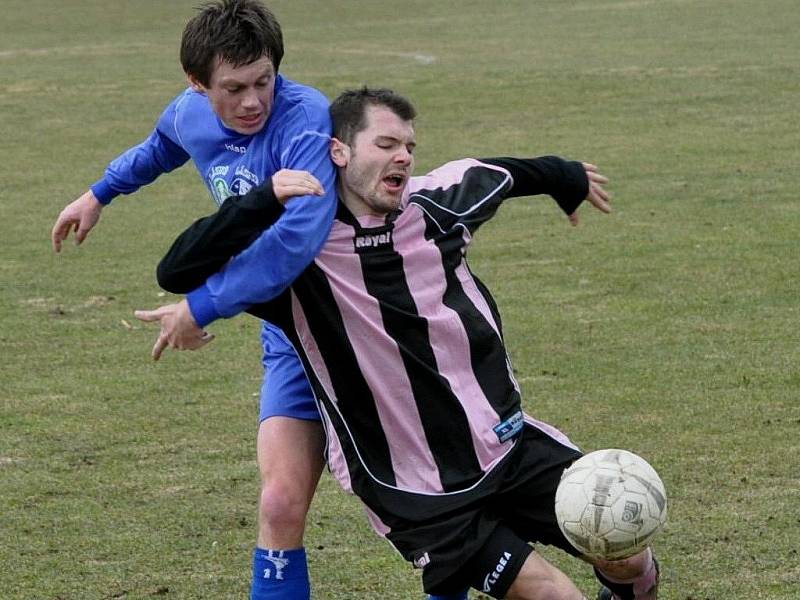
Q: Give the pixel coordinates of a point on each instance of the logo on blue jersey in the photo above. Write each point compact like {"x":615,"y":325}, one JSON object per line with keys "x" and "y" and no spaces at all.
{"x":509,"y":428}
{"x":223,"y":186}
{"x":245,"y":180}
{"x":237,"y":149}
{"x":240,"y":187}
{"x":220,"y":189}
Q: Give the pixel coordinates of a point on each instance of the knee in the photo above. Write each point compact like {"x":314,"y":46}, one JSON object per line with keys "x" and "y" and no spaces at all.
{"x":547,"y":589}
{"x":283,"y":505}
{"x":544,"y":588}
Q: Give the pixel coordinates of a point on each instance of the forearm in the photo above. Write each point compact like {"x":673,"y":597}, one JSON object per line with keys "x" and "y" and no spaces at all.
{"x":207,"y":245}
{"x":142,"y":164}
{"x":269,"y":265}
{"x":277,"y":257}
{"x":565,"y":181}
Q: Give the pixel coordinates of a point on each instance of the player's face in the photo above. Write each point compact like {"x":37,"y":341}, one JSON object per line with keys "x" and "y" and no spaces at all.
{"x":241,"y":96}
{"x":380,"y":163}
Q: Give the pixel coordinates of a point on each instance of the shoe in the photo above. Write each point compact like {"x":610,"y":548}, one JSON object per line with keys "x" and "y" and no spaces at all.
{"x":605,"y":594}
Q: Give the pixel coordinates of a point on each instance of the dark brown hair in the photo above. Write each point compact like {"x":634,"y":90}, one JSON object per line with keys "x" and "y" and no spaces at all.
{"x":236,"y":31}
{"x":349,"y":110}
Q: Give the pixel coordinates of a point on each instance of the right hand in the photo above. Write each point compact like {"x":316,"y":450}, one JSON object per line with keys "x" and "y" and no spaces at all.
{"x":288,"y":184}
{"x":598,"y":196}
{"x":79,"y":216}
{"x":179,"y":330}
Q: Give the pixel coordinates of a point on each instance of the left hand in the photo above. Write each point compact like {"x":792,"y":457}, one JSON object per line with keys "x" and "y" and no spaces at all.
{"x":598,"y":196}
{"x":288,"y":184}
{"x":178,"y":328}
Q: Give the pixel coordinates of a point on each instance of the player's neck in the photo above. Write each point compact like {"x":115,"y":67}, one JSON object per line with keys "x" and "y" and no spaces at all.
{"x":353,"y":203}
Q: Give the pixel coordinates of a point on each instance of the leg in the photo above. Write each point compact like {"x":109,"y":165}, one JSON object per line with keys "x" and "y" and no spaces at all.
{"x":530,"y":507}
{"x":634,"y":578}
{"x":287,"y":484}
{"x":539,"y":580}
{"x":290,"y":458}
{"x":506,"y":566}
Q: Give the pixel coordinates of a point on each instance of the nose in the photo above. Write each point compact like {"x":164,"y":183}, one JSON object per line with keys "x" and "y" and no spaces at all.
{"x":403,"y":156}
{"x":250,"y":99}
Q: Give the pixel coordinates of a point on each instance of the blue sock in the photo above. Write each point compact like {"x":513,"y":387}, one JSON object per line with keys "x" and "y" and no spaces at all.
{"x":280,"y":575}
{"x":461,"y":596}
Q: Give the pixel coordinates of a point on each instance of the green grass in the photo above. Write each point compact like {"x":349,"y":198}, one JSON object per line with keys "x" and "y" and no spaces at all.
{"x":669,"y":327}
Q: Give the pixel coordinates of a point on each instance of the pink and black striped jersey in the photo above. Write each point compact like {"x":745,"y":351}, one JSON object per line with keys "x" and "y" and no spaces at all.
{"x":403,"y":344}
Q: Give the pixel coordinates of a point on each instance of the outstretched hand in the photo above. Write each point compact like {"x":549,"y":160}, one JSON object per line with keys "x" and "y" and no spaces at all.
{"x":178,"y":328}
{"x":80,"y":216}
{"x":288,"y":184}
{"x":598,"y":196}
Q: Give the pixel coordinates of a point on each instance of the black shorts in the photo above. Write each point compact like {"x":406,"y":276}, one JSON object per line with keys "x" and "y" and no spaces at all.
{"x":485,"y":544}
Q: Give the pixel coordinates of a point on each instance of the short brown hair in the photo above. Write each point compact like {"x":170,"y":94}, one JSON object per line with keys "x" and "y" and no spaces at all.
{"x":349,"y":110}
{"x":236,"y":31}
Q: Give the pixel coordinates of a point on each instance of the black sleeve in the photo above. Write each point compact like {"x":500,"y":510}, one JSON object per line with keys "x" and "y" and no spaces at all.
{"x":564,"y":180}
{"x":206,"y":245}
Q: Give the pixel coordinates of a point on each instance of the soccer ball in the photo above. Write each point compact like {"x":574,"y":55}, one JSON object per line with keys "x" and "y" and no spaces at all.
{"x":610,"y":504}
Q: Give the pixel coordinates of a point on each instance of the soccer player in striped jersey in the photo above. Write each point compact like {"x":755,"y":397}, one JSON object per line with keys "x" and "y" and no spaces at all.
{"x":240,"y":121}
{"x":404,"y":349}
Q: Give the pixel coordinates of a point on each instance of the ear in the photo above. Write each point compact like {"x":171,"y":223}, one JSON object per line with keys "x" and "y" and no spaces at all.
{"x":340,"y":153}
{"x":195,"y":83}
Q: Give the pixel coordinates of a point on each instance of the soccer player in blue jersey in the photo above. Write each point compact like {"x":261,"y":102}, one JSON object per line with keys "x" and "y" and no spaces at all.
{"x":240,"y":121}
{"x":403,"y":346}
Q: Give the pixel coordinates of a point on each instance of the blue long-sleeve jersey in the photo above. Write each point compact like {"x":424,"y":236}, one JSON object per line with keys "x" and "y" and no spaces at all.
{"x":296,"y":136}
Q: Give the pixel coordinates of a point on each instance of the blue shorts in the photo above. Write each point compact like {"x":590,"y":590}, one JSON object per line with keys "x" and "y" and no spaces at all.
{"x":285,"y":391}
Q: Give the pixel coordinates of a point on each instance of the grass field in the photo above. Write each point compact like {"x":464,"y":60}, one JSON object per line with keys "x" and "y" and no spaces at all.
{"x":669,"y":328}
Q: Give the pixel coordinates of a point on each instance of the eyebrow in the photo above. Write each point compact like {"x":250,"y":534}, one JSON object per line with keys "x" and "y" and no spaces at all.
{"x":392,"y":138}
{"x":229,"y":80}
{"x":235,"y":80}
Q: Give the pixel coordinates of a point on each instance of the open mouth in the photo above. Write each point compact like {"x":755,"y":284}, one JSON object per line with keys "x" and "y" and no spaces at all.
{"x":250,"y":119}
{"x":394,"y":182}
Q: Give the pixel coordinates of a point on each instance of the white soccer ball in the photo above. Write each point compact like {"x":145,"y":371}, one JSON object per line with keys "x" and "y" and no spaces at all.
{"x":610,"y":504}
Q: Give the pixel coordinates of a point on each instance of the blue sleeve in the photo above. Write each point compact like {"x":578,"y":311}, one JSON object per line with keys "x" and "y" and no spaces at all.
{"x":268,"y":266}
{"x":160,"y":153}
